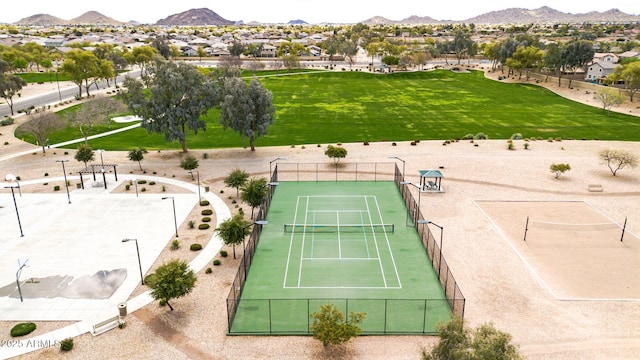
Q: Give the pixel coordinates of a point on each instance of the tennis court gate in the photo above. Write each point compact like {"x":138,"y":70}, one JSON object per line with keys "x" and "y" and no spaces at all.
{"x":452,"y":292}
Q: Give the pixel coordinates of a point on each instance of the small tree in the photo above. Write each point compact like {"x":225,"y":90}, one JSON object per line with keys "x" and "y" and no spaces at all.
{"x":84,"y":154}
{"x":330,"y":327}
{"x":189,"y":162}
{"x":559,"y":169}
{"x":336,"y":152}
{"x":236,"y":179}
{"x":253,"y":192}
{"x":171,"y":281}
{"x":10,"y":86}
{"x":137,"y":155}
{"x":456,"y":342}
{"x":608,"y":99}
{"x":233,"y":230}
{"x":618,"y":159}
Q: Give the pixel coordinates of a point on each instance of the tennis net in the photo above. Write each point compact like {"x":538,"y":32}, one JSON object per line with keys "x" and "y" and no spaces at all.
{"x":342,"y":228}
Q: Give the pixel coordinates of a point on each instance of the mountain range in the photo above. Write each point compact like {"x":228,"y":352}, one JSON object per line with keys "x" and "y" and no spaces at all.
{"x":204,"y":16}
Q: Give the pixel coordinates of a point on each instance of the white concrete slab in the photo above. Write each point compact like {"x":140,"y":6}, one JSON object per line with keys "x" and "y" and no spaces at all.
{"x":78,"y":239}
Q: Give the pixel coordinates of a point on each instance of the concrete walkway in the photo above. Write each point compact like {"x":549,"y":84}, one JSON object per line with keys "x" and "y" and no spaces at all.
{"x":59,"y":246}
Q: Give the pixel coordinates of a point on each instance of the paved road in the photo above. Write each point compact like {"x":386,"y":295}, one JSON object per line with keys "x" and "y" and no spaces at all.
{"x":55,"y":96}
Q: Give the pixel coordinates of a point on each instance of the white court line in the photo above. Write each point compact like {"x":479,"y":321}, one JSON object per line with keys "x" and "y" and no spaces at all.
{"x":346,"y":287}
{"x":388,"y":244}
{"x":366,"y":240}
{"x":341,"y":258}
{"x":304,"y":235}
{"x":375,"y":241}
{"x":286,"y":270}
{"x":338,"y":223}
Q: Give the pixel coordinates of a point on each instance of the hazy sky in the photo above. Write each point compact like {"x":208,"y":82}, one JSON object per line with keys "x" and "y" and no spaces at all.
{"x":281,"y":11}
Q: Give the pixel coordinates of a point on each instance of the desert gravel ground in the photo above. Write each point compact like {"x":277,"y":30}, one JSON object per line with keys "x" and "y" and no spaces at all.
{"x":498,"y":287}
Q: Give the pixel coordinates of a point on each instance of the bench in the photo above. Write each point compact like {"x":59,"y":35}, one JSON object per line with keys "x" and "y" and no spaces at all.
{"x":97,"y":184}
{"x":105,"y":325}
{"x":594,"y":187}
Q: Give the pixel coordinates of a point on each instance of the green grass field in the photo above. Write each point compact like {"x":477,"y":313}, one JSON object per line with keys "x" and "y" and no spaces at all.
{"x":385,"y":274}
{"x":403,"y":106}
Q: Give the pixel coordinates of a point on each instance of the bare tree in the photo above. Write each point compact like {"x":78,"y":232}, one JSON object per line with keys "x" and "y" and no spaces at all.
{"x":608,"y":99}
{"x":41,"y":125}
{"x":94,"y":113}
{"x":618,"y":159}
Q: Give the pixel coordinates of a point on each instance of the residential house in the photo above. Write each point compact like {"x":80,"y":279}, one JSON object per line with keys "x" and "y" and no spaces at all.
{"x":597,"y":71}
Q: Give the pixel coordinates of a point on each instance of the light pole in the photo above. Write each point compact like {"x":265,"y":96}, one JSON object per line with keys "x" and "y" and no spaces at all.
{"x":403,"y":164}
{"x":139,"y":263}
{"x":66,"y":183}
{"x":20,"y":267}
{"x":198,"y":174}
{"x":58,"y":82}
{"x":104,"y":177}
{"x":175,"y":220}
{"x":441,"y":233}
{"x":16,"y":206}
{"x":11,"y":178}
{"x":272,"y":161}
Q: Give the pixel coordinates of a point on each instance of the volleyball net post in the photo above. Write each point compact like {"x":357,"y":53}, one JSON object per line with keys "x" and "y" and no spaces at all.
{"x":526,"y":228}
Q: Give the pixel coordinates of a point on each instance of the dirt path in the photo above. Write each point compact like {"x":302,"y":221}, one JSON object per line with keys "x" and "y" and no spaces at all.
{"x":184,"y":344}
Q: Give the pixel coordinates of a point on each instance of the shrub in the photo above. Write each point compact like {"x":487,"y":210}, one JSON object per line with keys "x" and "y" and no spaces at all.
{"x":192,"y":224}
{"x":66,"y":344}
{"x":216,"y":262}
{"x":516,"y":136}
{"x":142,"y":181}
{"x":164,"y":188}
{"x":127,"y":187}
{"x":206,"y":219}
{"x":195,"y":247}
{"x":208,"y":271}
{"x":56,"y":188}
{"x":46,"y":174}
{"x":152,"y":183}
{"x":203,"y":226}
{"x":223,"y":253}
{"x":162,"y":302}
{"x":143,"y":189}
{"x":6,"y":122}
{"x":468,"y":137}
{"x":481,"y":136}
{"x":205,"y":156}
{"x":175,"y":244}
{"x":510,"y":146}
{"x":189,"y":162}
{"x":22,"y":329}
{"x":206,"y":212}
{"x":204,"y":202}
{"x":149,"y":278}
{"x":122,"y":324}
{"x":6,"y":143}
{"x":526,"y":146}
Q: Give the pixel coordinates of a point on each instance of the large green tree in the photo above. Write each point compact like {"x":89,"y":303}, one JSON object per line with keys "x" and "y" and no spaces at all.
{"x":461,"y":43}
{"x":233,"y":231}
{"x":575,"y":55}
{"x":179,"y":95}
{"x":247,"y":109}
{"x":10,"y":86}
{"x":171,"y":281}
{"x":629,"y":74}
{"x":83,"y":69}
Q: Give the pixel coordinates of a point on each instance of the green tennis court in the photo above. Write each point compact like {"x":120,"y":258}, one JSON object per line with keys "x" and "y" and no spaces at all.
{"x":347,"y":243}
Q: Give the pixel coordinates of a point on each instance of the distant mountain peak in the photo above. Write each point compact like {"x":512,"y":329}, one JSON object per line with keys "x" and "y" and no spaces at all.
{"x":195,"y":17}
